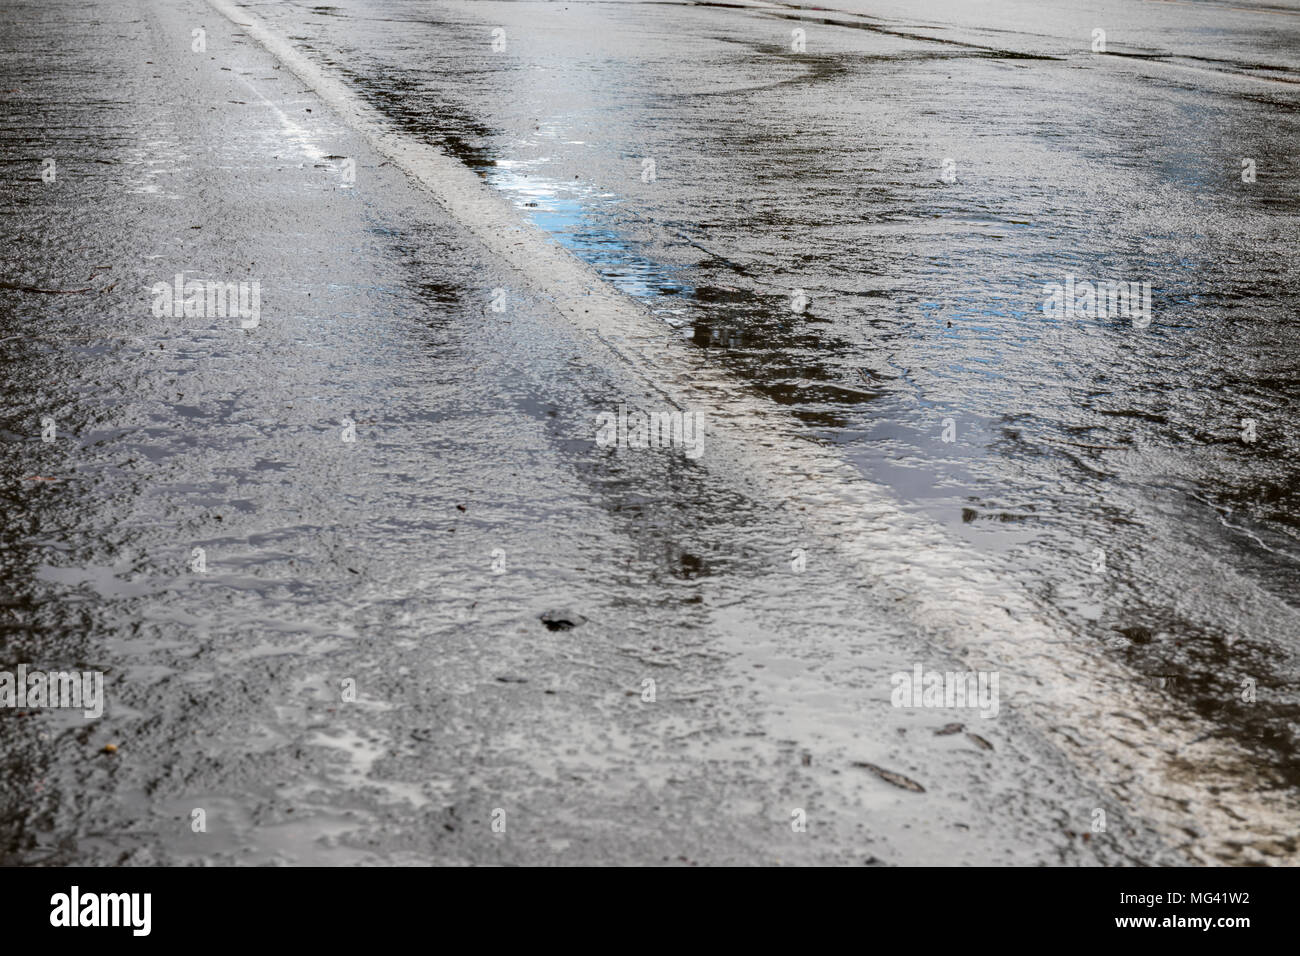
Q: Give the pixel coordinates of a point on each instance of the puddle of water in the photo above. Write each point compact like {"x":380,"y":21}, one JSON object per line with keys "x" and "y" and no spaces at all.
{"x":582,"y":220}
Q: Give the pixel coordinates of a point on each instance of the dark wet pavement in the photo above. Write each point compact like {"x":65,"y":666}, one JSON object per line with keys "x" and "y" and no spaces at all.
{"x":774,"y":171}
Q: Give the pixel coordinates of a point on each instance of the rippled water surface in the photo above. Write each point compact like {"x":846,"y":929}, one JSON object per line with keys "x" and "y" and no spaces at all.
{"x":823,"y":171}
{"x":860,"y":233}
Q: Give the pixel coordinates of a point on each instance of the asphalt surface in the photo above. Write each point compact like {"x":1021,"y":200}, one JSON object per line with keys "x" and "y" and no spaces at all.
{"x":419,"y":560}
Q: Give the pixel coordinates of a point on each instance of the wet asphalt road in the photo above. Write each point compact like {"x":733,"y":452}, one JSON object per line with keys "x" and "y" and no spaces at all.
{"x":774,"y":170}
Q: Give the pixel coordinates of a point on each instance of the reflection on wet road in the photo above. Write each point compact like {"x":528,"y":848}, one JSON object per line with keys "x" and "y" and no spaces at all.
{"x":858,"y":214}
{"x":824,"y":171}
